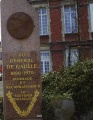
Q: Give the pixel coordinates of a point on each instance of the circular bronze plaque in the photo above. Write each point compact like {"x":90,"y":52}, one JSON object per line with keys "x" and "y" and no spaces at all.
{"x":20,"y":25}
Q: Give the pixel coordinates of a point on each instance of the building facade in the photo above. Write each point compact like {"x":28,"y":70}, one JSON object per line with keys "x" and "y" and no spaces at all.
{"x":66,"y":32}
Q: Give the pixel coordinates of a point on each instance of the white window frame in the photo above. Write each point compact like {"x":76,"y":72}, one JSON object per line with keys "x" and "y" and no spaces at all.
{"x":45,"y":61}
{"x":69,"y":20}
{"x":91,"y":16}
{"x":43,"y":21}
{"x":74,"y":57}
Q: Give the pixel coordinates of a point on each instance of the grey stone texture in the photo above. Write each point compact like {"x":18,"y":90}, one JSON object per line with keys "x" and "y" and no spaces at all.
{"x":11,"y":48}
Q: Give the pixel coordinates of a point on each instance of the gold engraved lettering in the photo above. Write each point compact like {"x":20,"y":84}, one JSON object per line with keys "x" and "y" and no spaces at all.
{"x":9,"y":66}
{"x":22,"y":86}
{"x":21,"y":54}
{"x":28,"y":72}
{"x":9,"y":87}
{"x":26,"y":66}
{"x":21,"y":60}
{"x":22,"y":82}
{"x":26,"y":112}
{"x":15,"y":73}
{"x":23,"y":92}
{"x":35,"y":66}
{"x":23,"y":95}
{"x":23,"y":99}
{"x":22,"y":78}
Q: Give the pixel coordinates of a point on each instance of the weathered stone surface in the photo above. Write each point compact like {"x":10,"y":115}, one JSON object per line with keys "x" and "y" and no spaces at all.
{"x":1,"y":89}
{"x":21,"y":65}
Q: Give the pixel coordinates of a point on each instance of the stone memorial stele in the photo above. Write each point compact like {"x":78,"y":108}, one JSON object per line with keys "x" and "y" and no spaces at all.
{"x":21,"y":61}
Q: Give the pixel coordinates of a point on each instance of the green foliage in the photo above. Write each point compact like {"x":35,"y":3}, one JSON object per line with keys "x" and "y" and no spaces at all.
{"x":1,"y":108}
{"x":50,"y":85}
{"x":77,"y":81}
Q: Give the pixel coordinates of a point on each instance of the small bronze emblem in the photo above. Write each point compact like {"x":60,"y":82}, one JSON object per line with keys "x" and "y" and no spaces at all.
{"x":20,"y":25}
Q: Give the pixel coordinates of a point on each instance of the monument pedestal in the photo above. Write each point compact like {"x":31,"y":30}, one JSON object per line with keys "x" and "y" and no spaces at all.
{"x":30,"y":119}
{"x":21,"y":61}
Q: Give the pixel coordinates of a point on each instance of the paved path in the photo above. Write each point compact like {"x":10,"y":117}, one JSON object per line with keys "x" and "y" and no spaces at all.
{"x":1,"y":88}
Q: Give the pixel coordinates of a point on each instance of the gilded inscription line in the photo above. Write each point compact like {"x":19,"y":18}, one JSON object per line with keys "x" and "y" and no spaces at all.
{"x":26,"y":72}
{"x":23,"y":113}
{"x":22,"y":78}
{"x":20,"y":60}
{"x":23,"y":95}
{"x":23,"y":66}
{"x":22,"y":99}
{"x":21,"y":86}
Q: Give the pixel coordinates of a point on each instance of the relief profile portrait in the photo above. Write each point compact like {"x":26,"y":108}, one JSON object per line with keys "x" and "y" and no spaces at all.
{"x":20,"y":25}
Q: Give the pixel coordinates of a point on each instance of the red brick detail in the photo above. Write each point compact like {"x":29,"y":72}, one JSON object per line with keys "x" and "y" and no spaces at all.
{"x":57,"y":60}
{"x":44,"y":39}
{"x":56,"y":24}
{"x":84,"y":22}
{"x":71,"y":37}
{"x":57,"y":46}
{"x":55,"y":3}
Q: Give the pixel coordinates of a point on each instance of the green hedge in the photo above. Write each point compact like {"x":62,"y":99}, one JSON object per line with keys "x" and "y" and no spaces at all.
{"x":76,"y":81}
{"x":1,"y":108}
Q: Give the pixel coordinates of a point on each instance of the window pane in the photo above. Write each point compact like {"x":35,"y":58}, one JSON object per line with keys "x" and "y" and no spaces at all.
{"x":91,"y":16}
{"x":66,"y":9}
{"x":41,"y":67}
{"x":46,"y":66}
{"x":45,"y":62}
{"x":70,"y":19}
{"x":43,"y":21}
{"x":73,"y":57}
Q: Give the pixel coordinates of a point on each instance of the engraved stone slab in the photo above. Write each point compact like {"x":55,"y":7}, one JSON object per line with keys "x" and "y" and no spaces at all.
{"x":21,"y":61}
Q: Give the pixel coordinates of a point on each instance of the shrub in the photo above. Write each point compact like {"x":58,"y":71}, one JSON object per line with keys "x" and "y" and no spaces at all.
{"x":1,"y":108}
{"x":76,"y":80}
{"x":50,"y":85}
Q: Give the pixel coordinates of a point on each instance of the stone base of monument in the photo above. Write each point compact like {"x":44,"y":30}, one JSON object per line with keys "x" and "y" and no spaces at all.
{"x":35,"y":118}
{"x":30,"y":119}
{"x":1,"y":88}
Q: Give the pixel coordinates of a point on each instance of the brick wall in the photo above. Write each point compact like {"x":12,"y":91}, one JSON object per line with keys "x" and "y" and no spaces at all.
{"x":56,"y":32}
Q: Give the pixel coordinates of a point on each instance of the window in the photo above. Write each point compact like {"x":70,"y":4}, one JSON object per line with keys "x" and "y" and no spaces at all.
{"x":70,"y":19}
{"x":43,"y":21}
{"x":73,"y":57}
{"x":91,"y":16}
{"x":45,"y":62}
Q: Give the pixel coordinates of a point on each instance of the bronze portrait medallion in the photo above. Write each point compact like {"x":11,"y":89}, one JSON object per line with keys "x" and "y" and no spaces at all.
{"x":20,"y":25}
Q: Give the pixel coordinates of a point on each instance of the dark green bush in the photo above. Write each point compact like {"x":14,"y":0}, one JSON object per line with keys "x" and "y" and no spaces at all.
{"x":1,"y":108}
{"x":50,"y":86}
{"x":76,"y":80}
